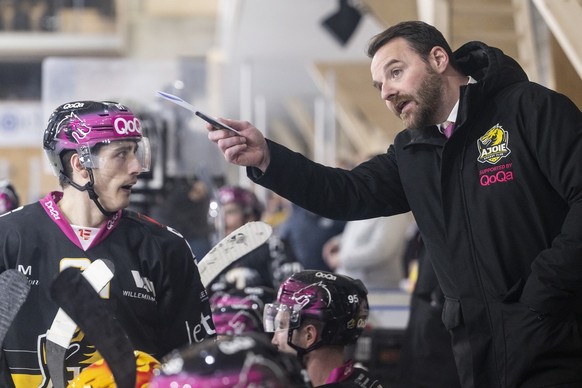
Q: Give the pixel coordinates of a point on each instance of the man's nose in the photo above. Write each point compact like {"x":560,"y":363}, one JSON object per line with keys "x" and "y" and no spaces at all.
{"x":388,"y":92}
{"x":134,"y":166}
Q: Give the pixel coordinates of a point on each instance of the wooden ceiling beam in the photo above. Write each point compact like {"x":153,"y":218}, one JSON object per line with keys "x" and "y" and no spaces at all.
{"x":563,"y":17}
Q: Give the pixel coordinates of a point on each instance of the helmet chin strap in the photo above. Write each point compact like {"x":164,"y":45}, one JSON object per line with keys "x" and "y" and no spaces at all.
{"x":88,"y":187}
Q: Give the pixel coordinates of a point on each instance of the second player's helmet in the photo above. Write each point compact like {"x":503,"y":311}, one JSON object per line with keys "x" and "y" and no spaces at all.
{"x":236,"y":311}
{"x":338,"y":301}
{"x":246,"y":199}
{"x":80,"y":126}
{"x":236,"y":319}
{"x":224,"y":294}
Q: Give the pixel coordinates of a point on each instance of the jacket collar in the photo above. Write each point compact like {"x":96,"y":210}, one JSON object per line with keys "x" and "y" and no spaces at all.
{"x":428,"y":135}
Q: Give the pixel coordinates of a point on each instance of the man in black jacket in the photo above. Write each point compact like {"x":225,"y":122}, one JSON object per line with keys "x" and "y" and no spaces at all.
{"x":498,"y":198}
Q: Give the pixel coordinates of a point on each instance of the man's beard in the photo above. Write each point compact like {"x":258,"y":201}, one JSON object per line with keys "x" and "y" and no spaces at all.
{"x":428,"y":99}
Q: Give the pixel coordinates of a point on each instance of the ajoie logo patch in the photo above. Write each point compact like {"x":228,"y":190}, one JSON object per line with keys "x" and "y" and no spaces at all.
{"x":493,"y":145}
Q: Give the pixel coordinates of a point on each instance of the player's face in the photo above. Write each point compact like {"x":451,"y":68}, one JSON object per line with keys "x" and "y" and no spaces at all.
{"x":117,"y":173}
{"x":234,"y":217}
{"x":411,"y":88}
{"x":281,"y":333}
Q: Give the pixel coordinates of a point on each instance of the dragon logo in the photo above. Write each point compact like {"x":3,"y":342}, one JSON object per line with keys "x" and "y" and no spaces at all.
{"x":75,"y":127}
{"x":79,"y":355}
{"x":493,"y":145}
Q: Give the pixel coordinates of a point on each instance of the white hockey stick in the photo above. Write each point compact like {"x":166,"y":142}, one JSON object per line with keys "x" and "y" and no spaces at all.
{"x":238,"y":243}
{"x":58,"y":338}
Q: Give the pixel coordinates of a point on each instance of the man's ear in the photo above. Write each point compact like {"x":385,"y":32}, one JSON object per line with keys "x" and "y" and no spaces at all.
{"x":439,"y":59}
{"x":310,"y":335}
{"x":78,"y":168}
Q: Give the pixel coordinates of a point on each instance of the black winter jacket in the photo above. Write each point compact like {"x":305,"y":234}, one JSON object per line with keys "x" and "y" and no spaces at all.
{"x":499,"y":205}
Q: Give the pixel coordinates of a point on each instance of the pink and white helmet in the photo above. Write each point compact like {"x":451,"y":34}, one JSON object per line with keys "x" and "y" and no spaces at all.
{"x":80,"y":126}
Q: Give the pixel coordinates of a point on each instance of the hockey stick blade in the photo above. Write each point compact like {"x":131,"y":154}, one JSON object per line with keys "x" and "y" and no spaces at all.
{"x":92,"y":314}
{"x":238,"y":243}
{"x":58,"y":338}
{"x":14,"y":289}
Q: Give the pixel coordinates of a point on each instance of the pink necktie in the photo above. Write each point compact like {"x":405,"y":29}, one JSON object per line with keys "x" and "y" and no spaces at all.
{"x":449,"y":129}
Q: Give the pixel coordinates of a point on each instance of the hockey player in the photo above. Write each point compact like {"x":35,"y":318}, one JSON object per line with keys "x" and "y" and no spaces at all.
{"x":316,"y":315}
{"x":266,"y":266}
{"x":97,"y":150}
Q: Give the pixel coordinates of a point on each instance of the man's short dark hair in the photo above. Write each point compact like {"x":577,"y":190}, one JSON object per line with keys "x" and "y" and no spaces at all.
{"x":420,"y":36}
{"x":67,"y":169}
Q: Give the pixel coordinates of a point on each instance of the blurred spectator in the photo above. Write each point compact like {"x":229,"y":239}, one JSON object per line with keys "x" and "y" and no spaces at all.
{"x":276,"y":211}
{"x":184,"y":207}
{"x":306,"y":233}
{"x":267,"y":265}
{"x":370,"y":250}
{"x":21,"y":16}
{"x":9,"y":199}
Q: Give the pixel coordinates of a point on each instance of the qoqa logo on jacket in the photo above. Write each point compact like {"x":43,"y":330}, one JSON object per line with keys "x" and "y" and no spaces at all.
{"x":493,"y":145}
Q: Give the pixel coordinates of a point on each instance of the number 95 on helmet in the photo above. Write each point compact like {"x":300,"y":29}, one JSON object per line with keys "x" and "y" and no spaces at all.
{"x":82,"y":125}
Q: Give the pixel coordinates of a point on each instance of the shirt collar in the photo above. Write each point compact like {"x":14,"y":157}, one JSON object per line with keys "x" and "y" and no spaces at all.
{"x":453,"y":115}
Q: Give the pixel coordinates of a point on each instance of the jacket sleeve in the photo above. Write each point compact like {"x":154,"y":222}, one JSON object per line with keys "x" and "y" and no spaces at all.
{"x":371,"y":189}
{"x":556,"y":139}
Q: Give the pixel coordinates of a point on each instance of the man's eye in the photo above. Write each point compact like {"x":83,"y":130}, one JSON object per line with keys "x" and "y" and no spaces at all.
{"x":395,"y":73}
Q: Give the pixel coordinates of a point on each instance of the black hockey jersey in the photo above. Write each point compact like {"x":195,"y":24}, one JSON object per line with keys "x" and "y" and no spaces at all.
{"x":350,"y":376}
{"x":156,"y":292}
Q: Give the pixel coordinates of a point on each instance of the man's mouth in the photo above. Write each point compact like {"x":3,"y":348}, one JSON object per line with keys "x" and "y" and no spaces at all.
{"x":128,"y":186}
{"x":401,"y":106}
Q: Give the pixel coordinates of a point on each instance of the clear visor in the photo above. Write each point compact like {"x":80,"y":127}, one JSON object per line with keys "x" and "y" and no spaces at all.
{"x":277,"y":317}
{"x":118,"y":155}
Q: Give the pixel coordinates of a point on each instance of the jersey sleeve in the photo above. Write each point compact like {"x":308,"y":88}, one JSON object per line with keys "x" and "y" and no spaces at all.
{"x":183,"y":300}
